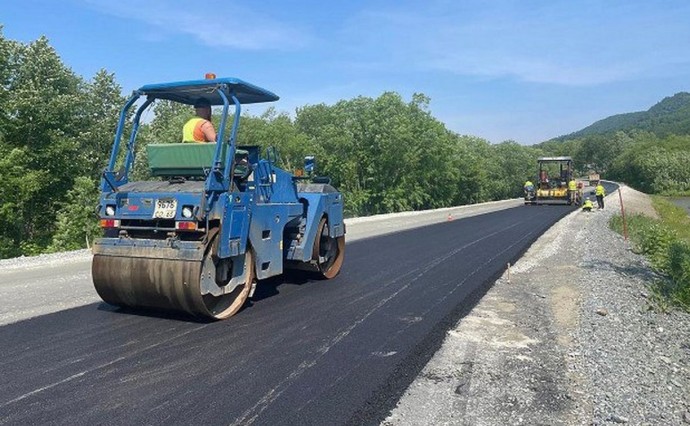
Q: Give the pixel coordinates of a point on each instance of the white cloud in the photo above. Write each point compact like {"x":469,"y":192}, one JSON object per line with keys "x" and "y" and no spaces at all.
{"x":528,"y":69}
{"x":224,"y":24}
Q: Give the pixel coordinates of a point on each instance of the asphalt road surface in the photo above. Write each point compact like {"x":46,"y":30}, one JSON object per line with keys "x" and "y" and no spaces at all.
{"x":302,"y":352}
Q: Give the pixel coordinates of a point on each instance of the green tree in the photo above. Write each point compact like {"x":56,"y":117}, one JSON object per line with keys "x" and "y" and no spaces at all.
{"x":473,"y":159}
{"x":77,"y":223}
{"x":99,"y":113}
{"x":54,"y":126}
{"x":19,"y":186}
{"x":41,"y":107}
{"x":385,"y":154}
{"x":597,"y":152}
{"x":655,"y":165}
{"x":8,"y":58}
{"x":516,"y":163}
{"x":273,"y":129}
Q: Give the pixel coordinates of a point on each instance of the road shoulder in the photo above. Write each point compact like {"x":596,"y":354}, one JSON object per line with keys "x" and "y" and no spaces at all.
{"x":568,"y":337}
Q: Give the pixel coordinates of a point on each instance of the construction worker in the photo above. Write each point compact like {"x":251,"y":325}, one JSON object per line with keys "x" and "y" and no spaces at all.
{"x":200,"y":128}
{"x":587,"y":205}
{"x":528,"y":186}
{"x":600,"y":192}
{"x":572,"y":191}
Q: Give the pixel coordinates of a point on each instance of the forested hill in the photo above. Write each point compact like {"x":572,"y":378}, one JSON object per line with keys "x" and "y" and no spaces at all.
{"x":649,"y":150}
{"x":671,"y":116}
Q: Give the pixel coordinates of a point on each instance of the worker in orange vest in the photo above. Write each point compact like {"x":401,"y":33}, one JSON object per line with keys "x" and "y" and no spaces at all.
{"x":200,"y":128}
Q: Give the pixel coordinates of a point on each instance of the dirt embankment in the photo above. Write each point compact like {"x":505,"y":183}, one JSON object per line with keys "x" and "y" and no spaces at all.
{"x":570,"y":337}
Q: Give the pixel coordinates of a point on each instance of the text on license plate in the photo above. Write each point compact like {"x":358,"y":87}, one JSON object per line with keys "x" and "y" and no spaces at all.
{"x":165,"y":208}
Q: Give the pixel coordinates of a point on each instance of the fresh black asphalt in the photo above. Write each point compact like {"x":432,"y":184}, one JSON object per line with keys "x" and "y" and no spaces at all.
{"x":302,"y":352}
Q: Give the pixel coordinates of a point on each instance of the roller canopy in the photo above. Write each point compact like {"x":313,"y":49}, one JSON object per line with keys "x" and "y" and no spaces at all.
{"x":189,"y":92}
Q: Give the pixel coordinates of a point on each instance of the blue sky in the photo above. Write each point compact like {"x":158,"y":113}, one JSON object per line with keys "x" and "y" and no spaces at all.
{"x":522,"y":70}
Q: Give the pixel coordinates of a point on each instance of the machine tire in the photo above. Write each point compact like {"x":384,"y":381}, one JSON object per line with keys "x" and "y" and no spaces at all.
{"x":227,"y":305}
{"x":328,"y":252}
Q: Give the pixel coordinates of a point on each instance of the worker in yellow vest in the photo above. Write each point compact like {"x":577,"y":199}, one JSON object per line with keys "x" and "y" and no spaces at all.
{"x":200,"y":128}
{"x":572,"y":191}
{"x":587,"y":205}
{"x":528,"y":186}
{"x":600,"y":192}
{"x":528,"y":189}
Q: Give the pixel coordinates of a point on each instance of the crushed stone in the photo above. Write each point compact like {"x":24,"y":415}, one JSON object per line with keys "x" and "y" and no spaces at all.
{"x":558,"y":360}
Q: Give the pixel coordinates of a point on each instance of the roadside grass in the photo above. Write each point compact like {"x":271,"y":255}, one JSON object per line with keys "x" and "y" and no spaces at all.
{"x":672,"y":215}
{"x":666,"y":243}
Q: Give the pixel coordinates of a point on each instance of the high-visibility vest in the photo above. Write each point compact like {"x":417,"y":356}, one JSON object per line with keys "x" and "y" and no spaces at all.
{"x":587,"y":204}
{"x":572,"y":185}
{"x":600,"y":190}
{"x":191,"y":132}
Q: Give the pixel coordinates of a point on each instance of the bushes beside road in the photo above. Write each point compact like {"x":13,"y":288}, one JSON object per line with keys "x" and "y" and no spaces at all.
{"x":666,"y":243}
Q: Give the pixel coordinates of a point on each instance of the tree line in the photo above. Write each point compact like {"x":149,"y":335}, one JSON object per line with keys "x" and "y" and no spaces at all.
{"x":386,"y":154}
{"x":55,"y":133}
{"x":642,"y":159}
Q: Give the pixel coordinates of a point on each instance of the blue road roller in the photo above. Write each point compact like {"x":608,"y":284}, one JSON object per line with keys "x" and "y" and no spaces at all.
{"x":214,"y":218}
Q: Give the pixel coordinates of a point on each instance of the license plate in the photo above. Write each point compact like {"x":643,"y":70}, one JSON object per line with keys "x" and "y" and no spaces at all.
{"x":165,"y":208}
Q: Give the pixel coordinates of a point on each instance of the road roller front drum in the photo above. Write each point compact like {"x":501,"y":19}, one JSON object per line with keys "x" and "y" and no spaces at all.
{"x":190,"y":286}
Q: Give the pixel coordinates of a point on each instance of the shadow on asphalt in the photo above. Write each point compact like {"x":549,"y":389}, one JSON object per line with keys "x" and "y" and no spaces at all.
{"x":152,"y":313}
{"x":265,"y":289}
{"x":271,"y":286}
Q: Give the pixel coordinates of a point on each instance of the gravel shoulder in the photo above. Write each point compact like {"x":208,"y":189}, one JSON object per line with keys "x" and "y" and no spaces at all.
{"x":569,"y":337}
